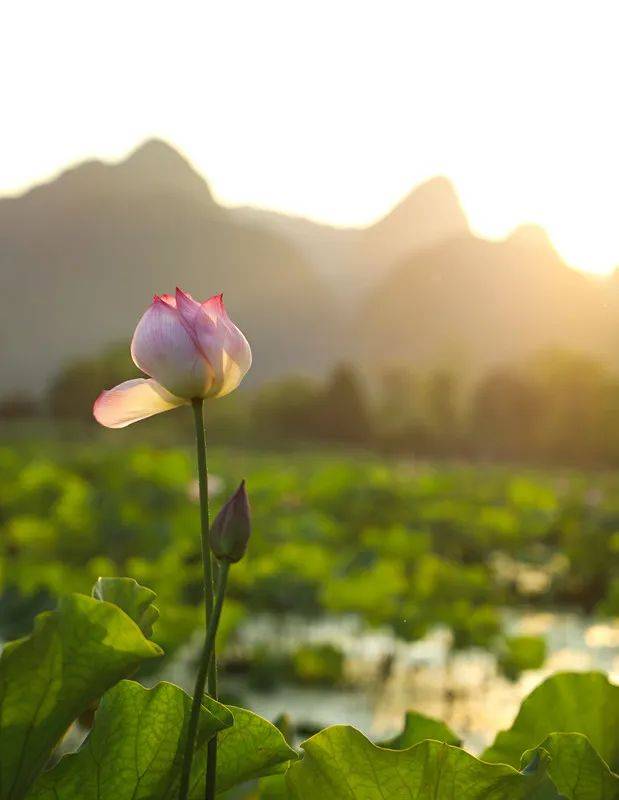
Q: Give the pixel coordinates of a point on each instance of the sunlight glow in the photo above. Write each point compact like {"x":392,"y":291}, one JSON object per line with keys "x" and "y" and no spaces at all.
{"x":334,"y":110}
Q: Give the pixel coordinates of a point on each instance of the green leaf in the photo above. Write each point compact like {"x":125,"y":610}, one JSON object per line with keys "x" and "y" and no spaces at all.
{"x":518,"y":653}
{"x":273,"y":788}
{"x":49,"y":678}
{"x":252,"y":748}
{"x":418,"y":727}
{"x":569,"y":702}
{"x":135,"y":600}
{"x":577,"y":770}
{"x":341,"y":763}
{"x":135,"y":749}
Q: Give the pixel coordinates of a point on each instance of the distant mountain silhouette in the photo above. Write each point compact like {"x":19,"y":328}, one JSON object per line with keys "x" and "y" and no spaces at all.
{"x":421,"y":289}
{"x":472,"y":303}
{"x":81,"y":256}
{"x":354,"y":260}
{"x":430,"y":214}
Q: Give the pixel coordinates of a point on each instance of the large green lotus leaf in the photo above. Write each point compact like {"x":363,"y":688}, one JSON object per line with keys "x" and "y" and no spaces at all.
{"x":135,"y":749}
{"x":577,"y":770}
{"x":341,"y":764}
{"x":418,"y":727}
{"x":49,"y":678}
{"x":273,"y":788}
{"x":568,"y":702}
{"x":250,"y":749}
{"x":135,"y":600}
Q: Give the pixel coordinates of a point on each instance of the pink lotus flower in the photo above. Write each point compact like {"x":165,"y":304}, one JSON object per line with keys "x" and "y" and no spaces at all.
{"x":190,"y":350}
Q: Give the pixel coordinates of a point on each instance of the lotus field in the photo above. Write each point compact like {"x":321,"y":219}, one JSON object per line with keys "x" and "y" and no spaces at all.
{"x":404,"y":546}
{"x":122,"y":562}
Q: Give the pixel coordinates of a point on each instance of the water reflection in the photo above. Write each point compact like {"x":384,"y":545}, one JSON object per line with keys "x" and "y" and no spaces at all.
{"x":389,"y":676}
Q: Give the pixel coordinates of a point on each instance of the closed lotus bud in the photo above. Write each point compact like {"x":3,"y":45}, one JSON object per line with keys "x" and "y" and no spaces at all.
{"x":231,"y":528}
{"x":189,"y":349}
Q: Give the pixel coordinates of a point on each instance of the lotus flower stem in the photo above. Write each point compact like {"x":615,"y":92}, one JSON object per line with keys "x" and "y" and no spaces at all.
{"x":207,"y":556}
{"x":208,"y":661}
{"x":207,"y":656}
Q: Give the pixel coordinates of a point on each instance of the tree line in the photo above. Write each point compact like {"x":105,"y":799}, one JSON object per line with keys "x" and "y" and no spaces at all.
{"x":559,"y":408}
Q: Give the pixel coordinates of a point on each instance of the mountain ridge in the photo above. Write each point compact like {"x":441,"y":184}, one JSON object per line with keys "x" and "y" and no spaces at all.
{"x":354,"y":258}
{"x":81,"y":256}
{"x":506,"y":300}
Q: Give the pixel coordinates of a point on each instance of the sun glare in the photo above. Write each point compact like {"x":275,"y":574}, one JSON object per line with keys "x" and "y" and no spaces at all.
{"x":580,"y":222}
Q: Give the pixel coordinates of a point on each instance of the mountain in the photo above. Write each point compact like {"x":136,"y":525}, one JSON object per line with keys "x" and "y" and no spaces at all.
{"x":430,"y":214}
{"x":354,"y":260}
{"x":331,"y":251}
{"x":419,"y":288}
{"x":81,"y":257}
{"x":471,"y":303}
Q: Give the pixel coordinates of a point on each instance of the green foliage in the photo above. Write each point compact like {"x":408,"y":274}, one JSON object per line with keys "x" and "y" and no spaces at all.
{"x":287,"y":409}
{"x":251,"y":748}
{"x":135,"y":748}
{"x":473,"y":626}
{"x":267,"y":669}
{"x":72,"y":392}
{"x":343,"y":414}
{"x":403,"y":546}
{"x":322,"y":665}
{"x":340,"y":762}
{"x":407,"y":546}
{"x":564,"y":738}
{"x":135,"y":600}
{"x":51,"y":677}
{"x":569,"y":702}
{"x":558,"y":408}
{"x":576,"y":769}
{"x":308,"y":664}
{"x":418,"y":727}
{"x":273,"y":788}
{"x":505,"y":415}
{"x":521,"y":652}
{"x":296,"y":408}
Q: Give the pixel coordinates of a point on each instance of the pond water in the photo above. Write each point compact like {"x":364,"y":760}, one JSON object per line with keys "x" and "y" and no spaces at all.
{"x":386,"y":676}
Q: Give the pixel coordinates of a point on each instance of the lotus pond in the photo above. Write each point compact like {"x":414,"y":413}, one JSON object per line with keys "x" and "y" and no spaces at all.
{"x":405,"y":583}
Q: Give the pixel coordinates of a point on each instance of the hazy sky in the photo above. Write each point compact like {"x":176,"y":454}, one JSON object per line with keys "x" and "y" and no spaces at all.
{"x":334,"y":109}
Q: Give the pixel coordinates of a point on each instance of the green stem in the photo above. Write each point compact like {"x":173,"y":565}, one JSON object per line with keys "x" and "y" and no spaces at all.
{"x":207,"y":558}
{"x":207,"y":563}
{"x":207,"y":655}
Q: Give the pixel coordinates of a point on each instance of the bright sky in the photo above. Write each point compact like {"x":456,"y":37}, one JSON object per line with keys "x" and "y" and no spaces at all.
{"x":334,"y":109}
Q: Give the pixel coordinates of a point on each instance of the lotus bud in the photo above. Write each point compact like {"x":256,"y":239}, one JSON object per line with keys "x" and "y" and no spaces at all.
{"x":190,"y":350}
{"x":231,"y":528}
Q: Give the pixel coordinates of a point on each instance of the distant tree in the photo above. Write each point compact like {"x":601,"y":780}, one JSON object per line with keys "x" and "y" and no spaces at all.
{"x":74,"y":389}
{"x":397,"y":400}
{"x":399,"y":425}
{"x":577,"y":392}
{"x":287,"y":408}
{"x":608,"y":427}
{"x":18,"y":406}
{"x":441,"y":411}
{"x":344,"y":414}
{"x":505,"y":416}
